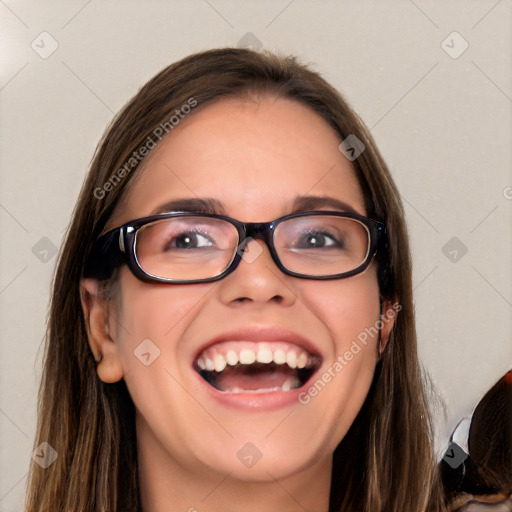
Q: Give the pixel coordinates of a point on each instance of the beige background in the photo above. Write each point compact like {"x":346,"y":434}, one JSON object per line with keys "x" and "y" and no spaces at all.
{"x":442,"y":123}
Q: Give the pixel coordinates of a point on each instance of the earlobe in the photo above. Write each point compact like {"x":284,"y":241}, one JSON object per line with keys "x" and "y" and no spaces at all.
{"x":103,"y":346}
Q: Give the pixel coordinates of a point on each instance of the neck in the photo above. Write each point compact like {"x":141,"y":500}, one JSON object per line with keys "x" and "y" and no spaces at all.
{"x":168,"y":486}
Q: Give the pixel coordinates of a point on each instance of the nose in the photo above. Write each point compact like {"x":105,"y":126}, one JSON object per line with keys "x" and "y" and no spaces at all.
{"x":257,"y":279}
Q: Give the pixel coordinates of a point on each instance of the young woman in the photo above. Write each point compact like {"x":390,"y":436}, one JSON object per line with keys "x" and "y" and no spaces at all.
{"x":232,"y":323}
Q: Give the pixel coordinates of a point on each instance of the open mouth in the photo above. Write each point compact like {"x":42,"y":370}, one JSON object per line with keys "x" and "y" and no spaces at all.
{"x":256,"y":367}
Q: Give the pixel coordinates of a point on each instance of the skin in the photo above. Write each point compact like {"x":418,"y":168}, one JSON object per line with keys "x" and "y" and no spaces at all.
{"x":256,"y":156}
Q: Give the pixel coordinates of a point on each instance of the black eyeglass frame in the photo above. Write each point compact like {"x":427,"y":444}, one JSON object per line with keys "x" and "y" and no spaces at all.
{"x":117,"y":246}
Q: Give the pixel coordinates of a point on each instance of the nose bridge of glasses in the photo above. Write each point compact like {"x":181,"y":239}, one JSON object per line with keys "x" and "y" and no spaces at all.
{"x":258,"y":230}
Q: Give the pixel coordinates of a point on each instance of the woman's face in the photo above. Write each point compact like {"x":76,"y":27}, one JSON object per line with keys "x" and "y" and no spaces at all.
{"x":255,"y":158}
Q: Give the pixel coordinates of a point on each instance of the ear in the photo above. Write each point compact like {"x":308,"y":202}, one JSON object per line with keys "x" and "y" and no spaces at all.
{"x":389,"y":312}
{"x":104,"y":348}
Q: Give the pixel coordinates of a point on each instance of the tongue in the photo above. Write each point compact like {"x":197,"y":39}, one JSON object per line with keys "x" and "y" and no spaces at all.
{"x":251,"y":378}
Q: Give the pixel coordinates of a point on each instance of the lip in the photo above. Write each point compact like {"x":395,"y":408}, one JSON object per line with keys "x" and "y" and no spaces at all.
{"x":257,"y":401}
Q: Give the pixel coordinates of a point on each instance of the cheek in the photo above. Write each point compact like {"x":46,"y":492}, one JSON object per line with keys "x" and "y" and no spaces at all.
{"x":155,"y":310}
{"x":348,"y":307}
{"x":350,"y":310}
{"x":150,"y":322}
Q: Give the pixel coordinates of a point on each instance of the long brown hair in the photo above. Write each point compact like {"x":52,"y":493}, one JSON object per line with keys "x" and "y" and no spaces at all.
{"x":384,"y":463}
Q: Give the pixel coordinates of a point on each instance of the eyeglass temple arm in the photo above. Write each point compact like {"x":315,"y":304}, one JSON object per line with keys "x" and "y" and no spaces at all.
{"x":106,"y":255}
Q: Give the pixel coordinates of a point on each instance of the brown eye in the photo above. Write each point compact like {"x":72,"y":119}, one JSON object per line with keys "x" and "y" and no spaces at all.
{"x":189,"y":240}
{"x":317,"y":239}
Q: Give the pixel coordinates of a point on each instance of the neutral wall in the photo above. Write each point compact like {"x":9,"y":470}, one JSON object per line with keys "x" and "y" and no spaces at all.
{"x":441,"y":117}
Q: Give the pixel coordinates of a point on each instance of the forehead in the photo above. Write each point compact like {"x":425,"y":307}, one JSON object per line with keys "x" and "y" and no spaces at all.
{"x":254,"y":156}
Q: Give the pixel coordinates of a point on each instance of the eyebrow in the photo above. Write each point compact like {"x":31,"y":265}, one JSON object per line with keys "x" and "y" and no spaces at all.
{"x":192,"y":205}
{"x":304,"y":203}
{"x":214,"y":206}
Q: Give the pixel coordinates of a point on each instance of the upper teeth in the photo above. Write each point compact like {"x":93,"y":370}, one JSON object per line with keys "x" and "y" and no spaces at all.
{"x":218,"y":357}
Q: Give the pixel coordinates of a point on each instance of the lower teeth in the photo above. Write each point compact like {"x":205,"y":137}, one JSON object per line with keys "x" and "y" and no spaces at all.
{"x":290,"y":380}
{"x":288,"y":385}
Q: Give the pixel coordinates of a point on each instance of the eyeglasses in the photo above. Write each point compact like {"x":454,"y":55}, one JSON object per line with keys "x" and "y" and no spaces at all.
{"x":183,"y":247}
